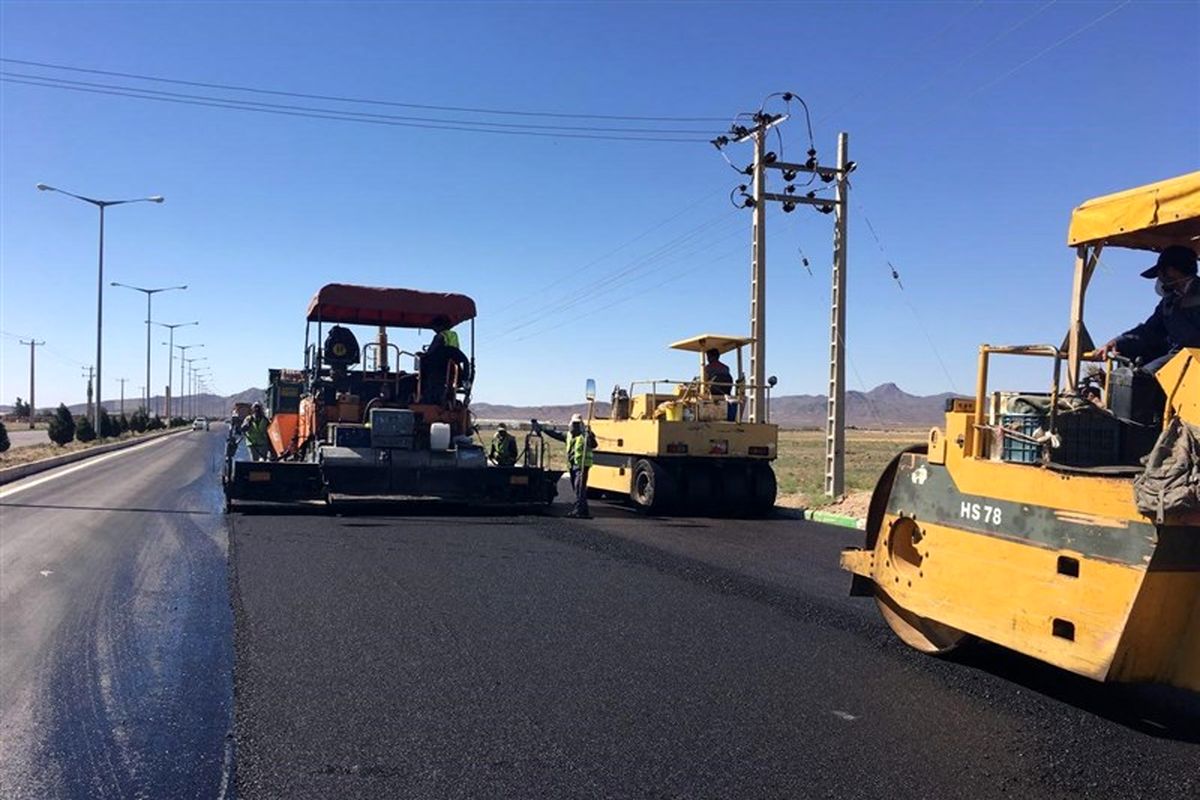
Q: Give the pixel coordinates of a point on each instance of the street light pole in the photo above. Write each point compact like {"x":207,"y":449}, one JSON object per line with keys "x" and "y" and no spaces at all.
{"x":149,"y":295}
{"x":191,"y":375}
{"x":100,"y":204}
{"x":171,"y":356}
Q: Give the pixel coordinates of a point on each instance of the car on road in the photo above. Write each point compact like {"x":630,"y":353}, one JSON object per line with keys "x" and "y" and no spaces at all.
{"x":200,"y":424}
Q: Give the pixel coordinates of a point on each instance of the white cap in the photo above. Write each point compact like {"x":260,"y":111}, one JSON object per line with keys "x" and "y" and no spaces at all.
{"x":576,"y":418}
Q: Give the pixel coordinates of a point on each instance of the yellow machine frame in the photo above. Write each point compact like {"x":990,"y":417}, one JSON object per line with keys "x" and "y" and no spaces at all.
{"x":1054,"y":563}
{"x":674,"y":446}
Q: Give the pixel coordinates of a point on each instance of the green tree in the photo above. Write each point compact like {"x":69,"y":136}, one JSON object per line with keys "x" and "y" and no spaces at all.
{"x":137,"y":422}
{"x":84,"y":431}
{"x":155,"y":424}
{"x":21,"y":408}
{"x":109,"y":427}
{"x":62,"y":426}
{"x":122,"y":422}
{"x":4,"y":442}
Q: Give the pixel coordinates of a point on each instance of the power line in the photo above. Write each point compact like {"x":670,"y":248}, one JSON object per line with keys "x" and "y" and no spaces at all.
{"x":358,"y":100}
{"x":1047,"y":49}
{"x":613,"y":134}
{"x":151,"y":93}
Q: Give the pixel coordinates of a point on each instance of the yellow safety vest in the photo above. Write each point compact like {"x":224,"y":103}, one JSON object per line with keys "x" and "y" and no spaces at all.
{"x":450,"y":339}
{"x":577,"y":451}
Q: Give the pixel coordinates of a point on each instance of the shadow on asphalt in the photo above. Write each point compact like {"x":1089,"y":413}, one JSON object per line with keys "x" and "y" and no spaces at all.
{"x":133,"y":509}
{"x":1159,"y":711}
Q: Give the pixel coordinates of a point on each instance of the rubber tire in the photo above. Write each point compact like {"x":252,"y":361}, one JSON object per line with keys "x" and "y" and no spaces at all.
{"x":698,"y":493}
{"x":735,"y":498}
{"x":763,"y":490}
{"x":651,"y":488}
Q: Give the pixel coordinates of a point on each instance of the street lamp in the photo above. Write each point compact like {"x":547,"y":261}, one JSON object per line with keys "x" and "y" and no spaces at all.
{"x":191,"y":375}
{"x":101,"y":204}
{"x":171,"y":356}
{"x":149,"y":294}
{"x":183,"y":348}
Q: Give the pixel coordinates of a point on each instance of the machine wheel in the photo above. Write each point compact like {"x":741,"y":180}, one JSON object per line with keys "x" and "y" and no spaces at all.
{"x":735,"y":497}
{"x":699,"y":487}
{"x":763,"y":489}
{"x":920,"y":633}
{"x":651,"y":488}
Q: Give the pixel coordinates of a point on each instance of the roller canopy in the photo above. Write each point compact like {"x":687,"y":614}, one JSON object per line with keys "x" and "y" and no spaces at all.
{"x":707,"y":341}
{"x":348,"y":304}
{"x":1149,"y":217}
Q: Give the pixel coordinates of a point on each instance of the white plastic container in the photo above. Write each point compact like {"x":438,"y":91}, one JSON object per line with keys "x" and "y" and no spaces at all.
{"x":439,"y":436}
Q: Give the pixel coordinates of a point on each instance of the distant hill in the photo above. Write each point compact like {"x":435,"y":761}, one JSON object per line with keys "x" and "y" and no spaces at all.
{"x":885,"y":406}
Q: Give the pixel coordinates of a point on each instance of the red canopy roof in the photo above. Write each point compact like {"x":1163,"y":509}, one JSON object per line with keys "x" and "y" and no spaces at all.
{"x":397,"y":308}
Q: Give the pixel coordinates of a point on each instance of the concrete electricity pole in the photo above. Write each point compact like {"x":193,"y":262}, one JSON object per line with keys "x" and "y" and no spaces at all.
{"x":32,"y":406}
{"x":791,"y":196}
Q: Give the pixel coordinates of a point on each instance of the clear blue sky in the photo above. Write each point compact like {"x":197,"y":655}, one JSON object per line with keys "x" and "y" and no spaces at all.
{"x":977,"y":127}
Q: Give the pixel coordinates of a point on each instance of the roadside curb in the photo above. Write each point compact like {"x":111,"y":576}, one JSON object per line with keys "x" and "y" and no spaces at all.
{"x":10,"y":474}
{"x":829,"y":518}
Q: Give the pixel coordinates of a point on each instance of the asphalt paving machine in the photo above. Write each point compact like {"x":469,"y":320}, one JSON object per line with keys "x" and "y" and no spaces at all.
{"x":353,"y":423}
{"x":1062,"y":524}
{"x":677,"y":445}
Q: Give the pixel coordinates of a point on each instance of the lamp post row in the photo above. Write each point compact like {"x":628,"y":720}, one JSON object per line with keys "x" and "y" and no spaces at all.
{"x":149,"y":292}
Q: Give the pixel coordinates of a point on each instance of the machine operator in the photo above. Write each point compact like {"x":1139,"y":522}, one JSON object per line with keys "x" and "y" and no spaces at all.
{"x":1175,"y":323}
{"x":503,"y":451}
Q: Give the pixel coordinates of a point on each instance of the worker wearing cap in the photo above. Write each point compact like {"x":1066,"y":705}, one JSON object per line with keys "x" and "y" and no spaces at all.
{"x":503,"y":452}
{"x":254,"y":428}
{"x":580,"y":448}
{"x":1175,"y":323}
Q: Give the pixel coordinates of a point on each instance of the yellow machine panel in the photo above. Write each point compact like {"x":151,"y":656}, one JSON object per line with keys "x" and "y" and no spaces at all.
{"x":1040,"y":521}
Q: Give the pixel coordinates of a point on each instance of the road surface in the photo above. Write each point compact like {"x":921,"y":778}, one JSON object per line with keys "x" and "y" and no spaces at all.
{"x":469,"y":655}
{"x":115,"y":627}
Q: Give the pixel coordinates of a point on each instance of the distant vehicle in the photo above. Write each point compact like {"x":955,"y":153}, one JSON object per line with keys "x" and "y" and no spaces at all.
{"x":200,"y":424}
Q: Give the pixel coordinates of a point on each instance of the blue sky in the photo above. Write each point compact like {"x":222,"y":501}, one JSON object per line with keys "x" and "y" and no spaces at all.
{"x":976,"y":127}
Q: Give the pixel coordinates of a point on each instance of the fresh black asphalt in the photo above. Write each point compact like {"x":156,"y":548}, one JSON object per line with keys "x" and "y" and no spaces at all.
{"x":524,"y":656}
{"x":437,"y":653}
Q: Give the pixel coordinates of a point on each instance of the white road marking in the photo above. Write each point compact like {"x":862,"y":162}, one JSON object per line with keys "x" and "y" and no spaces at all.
{"x":846,"y":715}
{"x":46,"y":573}
{"x":87,"y":462}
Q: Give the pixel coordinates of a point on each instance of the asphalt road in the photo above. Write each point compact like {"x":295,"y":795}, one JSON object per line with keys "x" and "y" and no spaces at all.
{"x":115,"y":627}
{"x":472,"y":656}
{"x":445,"y":654}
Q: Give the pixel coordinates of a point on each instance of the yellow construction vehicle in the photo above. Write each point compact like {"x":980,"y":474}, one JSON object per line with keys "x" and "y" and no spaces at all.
{"x":687,"y":445}
{"x":1064,"y":525}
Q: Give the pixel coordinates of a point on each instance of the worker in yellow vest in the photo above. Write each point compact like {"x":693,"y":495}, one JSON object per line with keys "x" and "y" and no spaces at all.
{"x":581,"y":444}
{"x":254,"y":428}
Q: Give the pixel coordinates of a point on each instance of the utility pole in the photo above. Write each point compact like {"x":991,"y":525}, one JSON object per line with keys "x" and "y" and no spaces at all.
{"x":835,"y":425}
{"x":96,"y":416}
{"x":762,"y":122}
{"x":122,"y":382}
{"x":32,"y":405}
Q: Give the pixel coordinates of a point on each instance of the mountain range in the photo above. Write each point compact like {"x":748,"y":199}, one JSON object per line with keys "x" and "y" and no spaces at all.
{"x":886,"y":406}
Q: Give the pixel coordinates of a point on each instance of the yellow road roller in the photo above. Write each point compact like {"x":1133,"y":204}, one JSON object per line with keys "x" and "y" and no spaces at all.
{"x":1063,"y":524}
{"x":687,"y":445}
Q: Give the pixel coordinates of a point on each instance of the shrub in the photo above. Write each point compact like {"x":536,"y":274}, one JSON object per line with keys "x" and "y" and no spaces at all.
{"x":122,"y":423}
{"x":84,"y":431}
{"x":139,"y":420}
{"x":62,"y":426}
{"x":178,"y":422}
{"x":155,"y":424}
{"x":4,"y":442}
{"x":109,"y":428}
